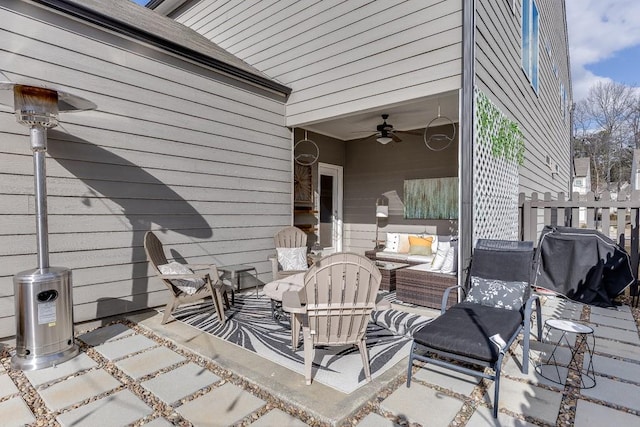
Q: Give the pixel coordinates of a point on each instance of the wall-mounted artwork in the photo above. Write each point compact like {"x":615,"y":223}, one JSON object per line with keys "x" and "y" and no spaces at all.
{"x":435,"y":198}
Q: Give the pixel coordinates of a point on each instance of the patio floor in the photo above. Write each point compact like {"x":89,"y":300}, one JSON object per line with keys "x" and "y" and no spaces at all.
{"x":137,"y":371}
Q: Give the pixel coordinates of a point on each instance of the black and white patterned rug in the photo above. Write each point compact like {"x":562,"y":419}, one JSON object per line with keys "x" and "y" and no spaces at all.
{"x":251,"y":326}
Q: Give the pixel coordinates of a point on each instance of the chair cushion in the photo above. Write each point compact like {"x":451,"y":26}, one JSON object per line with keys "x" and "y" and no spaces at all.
{"x":188,"y":286}
{"x":497,"y":293}
{"x":292,"y":259}
{"x":465,"y":328}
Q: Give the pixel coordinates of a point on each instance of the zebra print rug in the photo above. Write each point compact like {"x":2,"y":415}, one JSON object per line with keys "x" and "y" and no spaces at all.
{"x":250,"y":325}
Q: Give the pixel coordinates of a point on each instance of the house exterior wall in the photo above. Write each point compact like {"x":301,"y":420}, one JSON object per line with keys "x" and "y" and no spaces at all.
{"x":542,"y":117}
{"x":340,"y":57}
{"x":173,"y":147}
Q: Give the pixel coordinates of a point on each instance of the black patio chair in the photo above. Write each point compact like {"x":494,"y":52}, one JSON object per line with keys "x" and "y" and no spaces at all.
{"x":480,"y":329}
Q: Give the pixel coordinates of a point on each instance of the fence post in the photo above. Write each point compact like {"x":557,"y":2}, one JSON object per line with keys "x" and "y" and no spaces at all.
{"x":575,"y":211}
{"x":562,"y":219}
{"x":590,"y":211}
{"x":635,"y":239}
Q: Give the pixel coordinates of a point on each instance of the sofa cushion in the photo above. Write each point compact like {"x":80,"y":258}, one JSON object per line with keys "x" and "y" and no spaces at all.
{"x":438,"y":260}
{"x":403,"y":243}
{"x":393,"y":243}
{"x":450,"y":264}
{"x":420,"y":259}
{"x":391,"y":256}
{"x":420,"y":245}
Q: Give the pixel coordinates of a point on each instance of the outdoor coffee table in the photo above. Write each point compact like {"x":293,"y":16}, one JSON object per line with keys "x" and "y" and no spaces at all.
{"x":388,"y":270}
{"x":582,"y":332}
{"x":234,"y":271}
{"x":275,"y":289}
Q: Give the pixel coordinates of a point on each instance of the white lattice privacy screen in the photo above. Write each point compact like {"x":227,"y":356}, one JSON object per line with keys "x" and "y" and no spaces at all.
{"x":495,"y":181}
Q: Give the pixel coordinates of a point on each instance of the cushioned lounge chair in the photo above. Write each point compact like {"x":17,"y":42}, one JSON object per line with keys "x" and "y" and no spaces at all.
{"x":334,"y":306}
{"x":212,"y":285}
{"x":483,"y":327}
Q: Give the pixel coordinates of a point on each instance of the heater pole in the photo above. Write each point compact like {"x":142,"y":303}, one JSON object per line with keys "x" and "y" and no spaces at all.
{"x":39,"y":147}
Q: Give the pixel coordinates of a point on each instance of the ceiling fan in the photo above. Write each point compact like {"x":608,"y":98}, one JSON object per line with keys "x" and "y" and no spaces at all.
{"x":385,"y":133}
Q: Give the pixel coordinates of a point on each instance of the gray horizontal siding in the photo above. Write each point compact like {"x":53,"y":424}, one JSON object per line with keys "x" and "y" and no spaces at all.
{"x":337,"y":56}
{"x":172,"y":147}
{"x":499,"y":75}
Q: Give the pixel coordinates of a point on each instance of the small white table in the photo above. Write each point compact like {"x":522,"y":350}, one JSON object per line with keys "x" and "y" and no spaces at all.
{"x":582,"y":332}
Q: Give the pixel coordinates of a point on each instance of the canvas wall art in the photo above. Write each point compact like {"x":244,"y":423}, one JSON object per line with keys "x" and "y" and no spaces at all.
{"x":434,"y":198}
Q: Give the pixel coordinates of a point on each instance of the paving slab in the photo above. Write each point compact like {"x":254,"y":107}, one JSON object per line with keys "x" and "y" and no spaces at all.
{"x":621,"y":312}
{"x":615,"y":368}
{"x":106,"y":334}
{"x":149,"y":362}
{"x":623,"y":335}
{"x":375,"y":420}
{"x":180,"y":382}
{"x":131,"y":344}
{"x":455,"y":381}
{"x":79,"y":363}
{"x":602,"y":320}
{"x":483,"y":417}
{"x":77,"y":389}
{"x":119,"y":409}
{"x":15,"y":412}
{"x":222,"y":406}
{"x":279,"y":418}
{"x":589,"y":414}
{"x":512,"y":368}
{"x":619,"y":393}
{"x":615,"y":348}
{"x":560,"y":313}
{"x":7,"y":387}
{"x":528,"y":400}
{"x":435,"y":408}
{"x":159,"y":422}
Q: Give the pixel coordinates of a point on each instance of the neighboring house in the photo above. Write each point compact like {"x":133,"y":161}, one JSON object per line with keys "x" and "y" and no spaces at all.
{"x":193,"y":135}
{"x":582,"y":175}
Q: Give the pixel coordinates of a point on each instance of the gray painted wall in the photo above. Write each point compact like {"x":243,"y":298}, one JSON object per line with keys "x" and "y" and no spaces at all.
{"x":340,"y":57}
{"x":173,"y":147}
{"x":500,"y":76}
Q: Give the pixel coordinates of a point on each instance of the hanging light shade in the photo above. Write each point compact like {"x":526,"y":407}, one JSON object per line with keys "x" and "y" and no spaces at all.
{"x":384,"y":137}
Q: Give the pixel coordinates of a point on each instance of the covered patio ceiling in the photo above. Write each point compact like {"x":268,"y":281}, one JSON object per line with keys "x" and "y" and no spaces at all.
{"x":404,"y":117}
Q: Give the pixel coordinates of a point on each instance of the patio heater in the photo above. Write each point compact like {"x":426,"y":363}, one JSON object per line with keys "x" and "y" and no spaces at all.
{"x":43,"y":296}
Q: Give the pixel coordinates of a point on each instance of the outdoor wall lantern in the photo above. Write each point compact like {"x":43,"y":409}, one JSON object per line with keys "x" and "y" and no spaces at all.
{"x":43,"y":296}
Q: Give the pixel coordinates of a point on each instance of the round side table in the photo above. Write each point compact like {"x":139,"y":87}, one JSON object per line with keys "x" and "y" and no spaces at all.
{"x":584,"y":338}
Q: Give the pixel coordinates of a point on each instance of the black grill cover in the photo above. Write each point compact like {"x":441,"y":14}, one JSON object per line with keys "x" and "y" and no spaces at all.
{"x":583,"y":265}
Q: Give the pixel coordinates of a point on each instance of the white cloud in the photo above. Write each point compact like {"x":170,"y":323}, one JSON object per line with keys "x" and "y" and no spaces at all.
{"x":597,"y":30}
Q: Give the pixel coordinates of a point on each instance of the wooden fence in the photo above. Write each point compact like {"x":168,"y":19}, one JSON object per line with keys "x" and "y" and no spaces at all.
{"x":617,"y":219}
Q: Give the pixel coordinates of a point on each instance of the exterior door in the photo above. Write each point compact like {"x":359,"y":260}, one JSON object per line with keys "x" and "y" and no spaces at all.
{"x":329,"y":207}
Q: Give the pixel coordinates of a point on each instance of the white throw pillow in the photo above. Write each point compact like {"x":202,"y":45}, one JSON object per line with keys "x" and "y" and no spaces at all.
{"x":440,"y":257}
{"x":449,"y":264}
{"x":188,"y":286}
{"x":292,"y":259}
{"x":393,"y":243}
{"x":403,"y":243}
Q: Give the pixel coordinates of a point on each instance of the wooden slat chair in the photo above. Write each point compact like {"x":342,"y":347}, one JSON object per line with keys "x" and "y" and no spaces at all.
{"x":477,"y":331}
{"x":288,"y":237}
{"x":213,"y":286}
{"x":335,"y":305}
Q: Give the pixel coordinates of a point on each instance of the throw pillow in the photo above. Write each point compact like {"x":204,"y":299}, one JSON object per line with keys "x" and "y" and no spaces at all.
{"x":188,"y":286}
{"x":393,"y":242}
{"x":420,"y":245}
{"x":497,"y":293}
{"x":436,"y":242}
{"x":438,"y":260}
{"x":292,"y":259}
{"x":403,"y":243}
{"x":449,"y":264}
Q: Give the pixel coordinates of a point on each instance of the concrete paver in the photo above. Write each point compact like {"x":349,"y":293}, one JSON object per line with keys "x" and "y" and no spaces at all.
{"x":77,"y":389}
{"x":106,"y":334}
{"x":615,"y":348}
{"x":15,"y":412}
{"x":278,"y":418}
{"x":77,"y":364}
{"x":616,"y":334}
{"x":375,"y":420}
{"x":621,"y":312}
{"x":148,"y":362}
{"x":116,"y":349}
{"x":619,"y":393}
{"x":589,"y":414}
{"x":7,"y":387}
{"x":119,"y":409}
{"x":527,"y":399}
{"x":615,"y":368}
{"x":181,"y":382}
{"x":483,"y":417}
{"x":159,"y":422}
{"x":452,"y":380}
{"x":623,"y":323}
{"x":223,"y":406}
{"x":435,"y":408}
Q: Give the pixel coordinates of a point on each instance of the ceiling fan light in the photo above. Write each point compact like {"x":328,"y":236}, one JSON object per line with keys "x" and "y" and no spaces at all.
{"x":384,"y":139}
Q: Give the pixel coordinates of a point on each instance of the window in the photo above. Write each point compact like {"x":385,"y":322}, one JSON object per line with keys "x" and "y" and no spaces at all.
{"x":577,"y":182}
{"x":530,"y":41}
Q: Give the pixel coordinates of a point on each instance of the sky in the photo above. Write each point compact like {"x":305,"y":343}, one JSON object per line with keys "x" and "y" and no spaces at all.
{"x":604,"y":43}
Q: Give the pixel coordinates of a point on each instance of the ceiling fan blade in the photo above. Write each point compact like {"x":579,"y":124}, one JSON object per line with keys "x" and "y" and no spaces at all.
{"x":396,"y":138}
